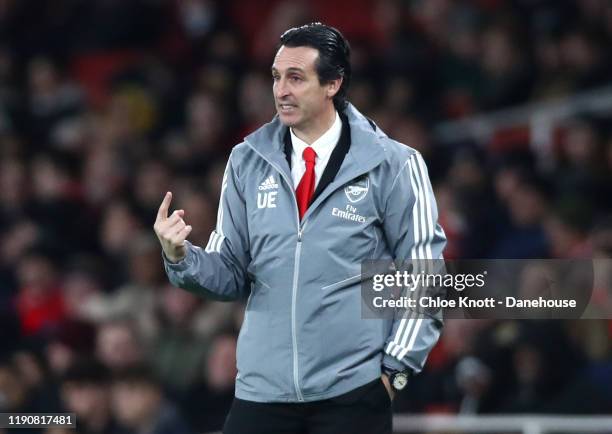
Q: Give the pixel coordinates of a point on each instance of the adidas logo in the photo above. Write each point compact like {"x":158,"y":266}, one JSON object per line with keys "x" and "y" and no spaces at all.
{"x":268,"y":184}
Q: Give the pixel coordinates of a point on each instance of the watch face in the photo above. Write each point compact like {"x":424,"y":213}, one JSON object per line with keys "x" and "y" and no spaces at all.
{"x":399,"y":381}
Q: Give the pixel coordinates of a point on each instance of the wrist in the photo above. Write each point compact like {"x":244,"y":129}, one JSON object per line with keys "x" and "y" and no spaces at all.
{"x":398,"y":380}
{"x":173,"y":259}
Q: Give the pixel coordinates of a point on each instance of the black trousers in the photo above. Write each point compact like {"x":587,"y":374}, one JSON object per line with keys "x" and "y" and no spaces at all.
{"x":365,"y":410}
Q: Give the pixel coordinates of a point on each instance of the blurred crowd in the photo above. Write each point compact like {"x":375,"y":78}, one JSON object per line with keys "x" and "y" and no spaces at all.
{"x":107,"y":104}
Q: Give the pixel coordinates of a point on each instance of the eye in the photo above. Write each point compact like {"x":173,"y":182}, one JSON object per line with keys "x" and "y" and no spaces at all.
{"x":295,"y":78}
{"x":275,"y":77}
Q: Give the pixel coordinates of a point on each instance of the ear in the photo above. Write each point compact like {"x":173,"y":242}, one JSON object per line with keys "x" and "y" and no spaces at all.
{"x":333,"y":86}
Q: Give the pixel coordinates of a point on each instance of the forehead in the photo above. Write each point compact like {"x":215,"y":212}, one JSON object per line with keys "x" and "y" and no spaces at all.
{"x":295,"y":57}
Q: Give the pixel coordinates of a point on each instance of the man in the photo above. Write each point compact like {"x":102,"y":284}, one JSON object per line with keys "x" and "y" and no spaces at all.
{"x":140,"y":405}
{"x":305,"y":199}
{"x":85,"y":391}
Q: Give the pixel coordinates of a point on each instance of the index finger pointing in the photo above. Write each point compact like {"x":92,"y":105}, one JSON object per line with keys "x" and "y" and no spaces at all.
{"x":162,"y":213}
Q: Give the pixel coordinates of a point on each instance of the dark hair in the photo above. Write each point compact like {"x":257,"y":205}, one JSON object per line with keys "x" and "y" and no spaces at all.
{"x":334,"y":54}
{"x":140,"y":374}
{"x":87,"y":371}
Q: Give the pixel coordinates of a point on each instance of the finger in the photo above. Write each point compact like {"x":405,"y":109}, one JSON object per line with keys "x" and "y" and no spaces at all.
{"x":177,"y":228}
{"x":169,"y":232}
{"x":182,"y":235}
{"x":162,"y":212}
{"x":174,"y":219}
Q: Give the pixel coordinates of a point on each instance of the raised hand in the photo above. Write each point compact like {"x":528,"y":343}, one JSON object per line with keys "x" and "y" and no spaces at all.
{"x":171,"y":230}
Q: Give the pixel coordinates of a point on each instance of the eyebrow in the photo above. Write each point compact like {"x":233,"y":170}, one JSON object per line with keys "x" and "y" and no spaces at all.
{"x":289,"y":70}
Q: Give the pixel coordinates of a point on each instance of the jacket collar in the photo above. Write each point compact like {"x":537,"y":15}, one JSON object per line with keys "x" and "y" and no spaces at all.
{"x":366,"y":150}
{"x":336,"y":158}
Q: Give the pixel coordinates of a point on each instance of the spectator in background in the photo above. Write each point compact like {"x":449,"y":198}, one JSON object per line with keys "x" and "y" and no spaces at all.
{"x":584,"y":59}
{"x":459,"y":69}
{"x":185,"y":325}
{"x":549,"y":370}
{"x":150,"y":178}
{"x":34,"y":372}
{"x":14,"y":394}
{"x":55,"y":204}
{"x":83,"y":283}
{"x":118,"y":226}
{"x":103,"y":176}
{"x":14,"y":188}
{"x":203,"y":139}
{"x":39,"y":302}
{"x":51,"y":97}
{"x":136,"y":298}
{"x":214,"y":179}
{"x":85,"y":391}
{"x":551,"y":79}
{"x":18,"y":239}
{"x":601,"y":238}
{"x":140,"y":405}
{"x":118,"y":345}
{"x":580,"y":172}
{"x":506,"y":79}
{"x":524,"y":237}
{"x":209,"y":399}
{"x":19,"y":232}
{"x":70,"y":341}
{"x":257,"y":104}
{"x":131,"y":114}
{"x":567,"y":228}
{"x":601,"y":241}
{"x":469,"y":186}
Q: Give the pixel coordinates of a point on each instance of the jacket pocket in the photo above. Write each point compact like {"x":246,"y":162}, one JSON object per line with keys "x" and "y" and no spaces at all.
{"x":343,"y":283}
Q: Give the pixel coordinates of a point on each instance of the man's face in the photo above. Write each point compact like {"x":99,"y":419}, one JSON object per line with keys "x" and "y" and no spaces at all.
{"x":85,"y":400}
{"x":116,"y":346}
{"x":135,"y":403}
{"x":300,"y":99}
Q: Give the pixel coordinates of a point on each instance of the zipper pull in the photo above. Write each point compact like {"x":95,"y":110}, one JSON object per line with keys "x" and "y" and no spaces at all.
{"x":300,"y":234}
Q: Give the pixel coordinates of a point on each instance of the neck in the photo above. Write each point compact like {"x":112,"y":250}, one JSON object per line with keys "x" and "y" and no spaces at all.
{"x":311,"y":133}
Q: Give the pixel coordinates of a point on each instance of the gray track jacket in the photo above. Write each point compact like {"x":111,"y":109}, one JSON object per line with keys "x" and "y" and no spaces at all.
{"x":303,"y":338}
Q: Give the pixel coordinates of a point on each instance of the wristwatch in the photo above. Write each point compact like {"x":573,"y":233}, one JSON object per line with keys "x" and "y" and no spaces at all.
{"x":398,"y":379}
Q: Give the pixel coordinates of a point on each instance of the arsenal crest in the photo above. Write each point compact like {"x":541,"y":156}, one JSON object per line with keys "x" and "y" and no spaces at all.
{"x":358,"y":190}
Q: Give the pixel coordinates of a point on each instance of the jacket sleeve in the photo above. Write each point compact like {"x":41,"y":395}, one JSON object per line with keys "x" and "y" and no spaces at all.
{"x":412,"y":232}
{"x":219,"y":270}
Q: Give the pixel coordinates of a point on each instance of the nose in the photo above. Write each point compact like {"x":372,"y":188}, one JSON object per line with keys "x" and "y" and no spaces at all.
{"x":281,"y":89}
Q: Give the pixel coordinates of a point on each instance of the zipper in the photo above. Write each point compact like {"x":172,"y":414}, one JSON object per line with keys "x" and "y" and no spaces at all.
{"x":296,"y":272}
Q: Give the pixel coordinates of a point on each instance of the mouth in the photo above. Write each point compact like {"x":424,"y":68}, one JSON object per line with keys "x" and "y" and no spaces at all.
{"x":286,"y":108}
